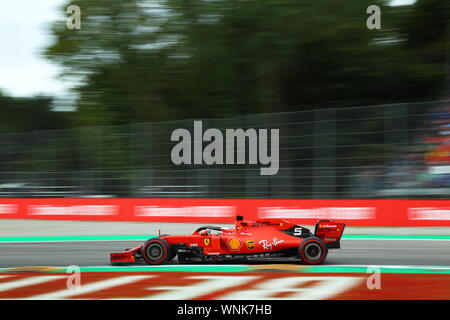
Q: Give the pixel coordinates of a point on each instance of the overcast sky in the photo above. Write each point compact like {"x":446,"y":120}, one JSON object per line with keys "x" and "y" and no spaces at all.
{"x":24,"y":32}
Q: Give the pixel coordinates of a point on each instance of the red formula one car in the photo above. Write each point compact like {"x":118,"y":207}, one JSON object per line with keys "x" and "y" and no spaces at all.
{"x":248,"y":240}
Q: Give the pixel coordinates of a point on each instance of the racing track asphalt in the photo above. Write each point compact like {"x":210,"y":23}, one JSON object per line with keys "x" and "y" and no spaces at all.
{"x":353,"y":252}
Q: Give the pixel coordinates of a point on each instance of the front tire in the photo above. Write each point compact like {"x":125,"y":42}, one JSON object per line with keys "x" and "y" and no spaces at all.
{"x":313,"y":250}
{"x":172,"y":250}
{"x":156,"y":251}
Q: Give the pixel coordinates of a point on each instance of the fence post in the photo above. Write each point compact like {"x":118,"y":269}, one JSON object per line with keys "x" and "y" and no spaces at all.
{"x":324,"y":154}
{"x":396,"y":142}
{"x":134,"y":155}
{"x":148,"y":160}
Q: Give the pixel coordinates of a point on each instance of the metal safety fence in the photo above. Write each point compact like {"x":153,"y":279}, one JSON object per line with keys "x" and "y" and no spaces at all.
{"x":384,"y":151}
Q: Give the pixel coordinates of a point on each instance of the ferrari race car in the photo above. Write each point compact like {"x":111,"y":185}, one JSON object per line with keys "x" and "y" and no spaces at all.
{"x":248,"y":240}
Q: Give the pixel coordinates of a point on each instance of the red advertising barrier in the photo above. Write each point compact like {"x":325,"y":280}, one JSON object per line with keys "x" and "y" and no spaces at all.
{"x":352,"y":212}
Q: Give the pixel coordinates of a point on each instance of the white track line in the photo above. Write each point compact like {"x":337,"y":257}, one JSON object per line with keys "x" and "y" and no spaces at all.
{"x":262,"y":265}
{"x":171,"y":266}
{"x":384,"y":266}
{"x":90,"y":287}
{"x":144,"y":239}
{"x":275,"y":265}
{"x":24,"y":282}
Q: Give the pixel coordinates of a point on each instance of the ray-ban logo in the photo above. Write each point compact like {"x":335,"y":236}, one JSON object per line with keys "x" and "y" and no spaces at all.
{"x":251,"y":142}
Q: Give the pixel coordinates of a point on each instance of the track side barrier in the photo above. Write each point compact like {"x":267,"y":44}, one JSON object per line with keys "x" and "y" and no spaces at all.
{"x":351,"y":212}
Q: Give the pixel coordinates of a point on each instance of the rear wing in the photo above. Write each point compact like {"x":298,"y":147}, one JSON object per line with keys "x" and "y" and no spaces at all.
{"x":330,"y":232}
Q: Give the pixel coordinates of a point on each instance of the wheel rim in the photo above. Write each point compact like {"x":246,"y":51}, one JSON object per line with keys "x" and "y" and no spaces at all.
{"x":313,"y":251}
{"x":155,"y":251}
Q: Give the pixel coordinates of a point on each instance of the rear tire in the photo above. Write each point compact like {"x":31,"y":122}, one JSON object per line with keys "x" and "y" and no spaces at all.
{"x":313,"y":250}
{"x":156,"y":251}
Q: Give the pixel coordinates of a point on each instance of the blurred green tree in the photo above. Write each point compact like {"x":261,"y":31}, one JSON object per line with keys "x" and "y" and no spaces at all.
{"x":162,"y":60}
{"x":29,"y":114}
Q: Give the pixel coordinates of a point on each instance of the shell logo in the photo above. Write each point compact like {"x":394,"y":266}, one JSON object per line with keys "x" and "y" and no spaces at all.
{"x":234,"y":244}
